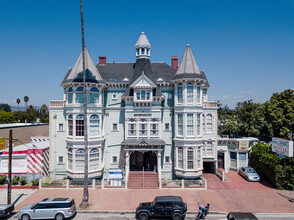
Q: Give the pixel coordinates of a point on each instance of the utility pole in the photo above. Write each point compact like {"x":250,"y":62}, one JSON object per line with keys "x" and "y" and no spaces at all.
{"x":84,"y":203}
{"x":9,"y":168}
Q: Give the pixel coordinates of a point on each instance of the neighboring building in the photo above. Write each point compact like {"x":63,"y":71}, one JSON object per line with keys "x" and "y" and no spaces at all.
{"x":142,"y":115}
{"x":30,"y":160}
{"x":22,"y":132}
{"x":234,"y":153}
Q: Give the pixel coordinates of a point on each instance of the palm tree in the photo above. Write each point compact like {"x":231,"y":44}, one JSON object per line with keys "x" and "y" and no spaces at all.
{"x":44,"y":108}
{"x":85,"y":193}
{"x":18,"y":101}
{"x":26,"y":100}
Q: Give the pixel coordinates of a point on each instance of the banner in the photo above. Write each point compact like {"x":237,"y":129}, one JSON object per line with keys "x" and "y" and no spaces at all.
{"x":2,"y":143}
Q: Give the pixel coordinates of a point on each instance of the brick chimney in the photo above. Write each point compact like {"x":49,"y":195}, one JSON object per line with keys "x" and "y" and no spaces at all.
{"x":175,"y":62}
{"x":102,"y":60}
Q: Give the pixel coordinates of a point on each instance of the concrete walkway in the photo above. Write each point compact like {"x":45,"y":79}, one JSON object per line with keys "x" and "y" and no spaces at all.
{"x":14,"y":194}
{"x":256,"y":201}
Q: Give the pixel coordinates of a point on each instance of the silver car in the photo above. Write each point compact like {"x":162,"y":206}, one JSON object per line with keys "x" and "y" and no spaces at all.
{"x":49,"y":208}
{"x":249,"y":174}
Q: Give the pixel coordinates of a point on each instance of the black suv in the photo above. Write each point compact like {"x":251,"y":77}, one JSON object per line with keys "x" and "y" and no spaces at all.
{"x":162,"y":207}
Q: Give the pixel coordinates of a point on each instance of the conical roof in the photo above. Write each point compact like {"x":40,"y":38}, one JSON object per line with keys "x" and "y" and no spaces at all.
{"x":143,"y":41}
{"x":76,"y":73}
{"x":188,"y":63}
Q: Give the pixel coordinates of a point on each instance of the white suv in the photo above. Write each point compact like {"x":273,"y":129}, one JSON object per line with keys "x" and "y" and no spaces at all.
{"x":49,"y":208}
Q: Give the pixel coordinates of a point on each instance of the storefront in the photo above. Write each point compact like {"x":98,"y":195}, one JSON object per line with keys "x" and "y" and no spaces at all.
{"x":234,"y":153}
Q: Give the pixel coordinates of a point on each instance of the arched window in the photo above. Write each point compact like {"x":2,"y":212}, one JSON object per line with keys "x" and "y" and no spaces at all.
{"x":80,"y":159}
{"x":190,"y":93}
{"x":80,"y":125}
{"x":69,"y":95}
{"x":70,"y":125}
{"x":80,"y":95}
{"x":143,"y":51}
{"x":70,"y":158}
{"x":180,"y":93}
{"x":94,"y":125}
{"x":180,"y":158}
{"x":143,"y":127}
{"x":94,"y":95}
{"x":132,"y":127}
{"x":209,"y":149}
{"x":209,"y":123}
{"x":94,"y":159}
{"x":154,"y":127}
{"x":190,"y":158}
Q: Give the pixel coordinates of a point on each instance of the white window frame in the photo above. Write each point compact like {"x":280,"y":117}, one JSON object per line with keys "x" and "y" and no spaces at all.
{"x":154,"y":121}
{"x":180,"y":158}
{"x":190,"y":97}
{"x":133,"y":122}
{"x":94,"y":128}
{"x":180,"y":99}
{"x":114,"y":96}
{"x":94,"y":161}
{"x":190,"y":125}
{"x":141,"y":122}
{"x":209,"y":128}
{"x":182,"y":125}
{"x":190,"y":158}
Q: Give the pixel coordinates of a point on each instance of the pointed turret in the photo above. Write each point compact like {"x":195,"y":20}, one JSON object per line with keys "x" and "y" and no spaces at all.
{"x":76,"y":73}
{"x":188,"y":63}
{"x":143,"y":47}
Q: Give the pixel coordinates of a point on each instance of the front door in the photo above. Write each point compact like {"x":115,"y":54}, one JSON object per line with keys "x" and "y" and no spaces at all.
{"x":143,"y":160}
{"x":221,"y":160}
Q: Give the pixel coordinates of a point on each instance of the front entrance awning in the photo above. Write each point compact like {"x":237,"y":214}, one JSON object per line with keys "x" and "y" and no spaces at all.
{"x":143,"y":142}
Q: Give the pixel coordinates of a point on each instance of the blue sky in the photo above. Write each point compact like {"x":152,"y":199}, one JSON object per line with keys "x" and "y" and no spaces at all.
{"x":246,"y":48}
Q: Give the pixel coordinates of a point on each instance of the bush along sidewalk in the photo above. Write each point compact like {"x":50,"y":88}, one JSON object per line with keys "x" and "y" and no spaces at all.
{"x":279,"y":171}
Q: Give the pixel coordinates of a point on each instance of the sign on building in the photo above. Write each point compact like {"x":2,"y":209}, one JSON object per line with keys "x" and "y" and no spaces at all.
{"x":2,"y":143}
{"x":282,"y":147}
{"x":243,"y":145}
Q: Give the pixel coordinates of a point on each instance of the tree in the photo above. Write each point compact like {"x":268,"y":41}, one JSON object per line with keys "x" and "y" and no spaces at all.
{"x":44,"y":108}
{"x":18,"y":101}
{"x":5,"y":107}
{"x":279,"y":113}
{"x":26,"y":100}
{"x":85,"y":191}
{"x":6,"y":117}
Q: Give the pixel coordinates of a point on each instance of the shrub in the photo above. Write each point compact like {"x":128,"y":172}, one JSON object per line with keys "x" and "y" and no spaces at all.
{"x":2,"y":178}
{"x":35,"y":182}
{"x":23,"y":181}
{"x":279,"y":171}
{"x":15,"y":180}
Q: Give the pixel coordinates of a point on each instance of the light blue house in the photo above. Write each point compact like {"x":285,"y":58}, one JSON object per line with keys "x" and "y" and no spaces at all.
{"x":141,"y":116}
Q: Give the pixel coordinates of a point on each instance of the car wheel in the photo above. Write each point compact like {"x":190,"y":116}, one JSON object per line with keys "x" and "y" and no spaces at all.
{"x":177,"y":216}
{"x":59,"y":216}
{"x":143,"y":216}
{"x":25,"y":217}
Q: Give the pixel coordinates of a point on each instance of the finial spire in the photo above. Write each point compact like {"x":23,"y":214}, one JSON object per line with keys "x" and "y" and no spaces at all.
{"x":143,"y":47}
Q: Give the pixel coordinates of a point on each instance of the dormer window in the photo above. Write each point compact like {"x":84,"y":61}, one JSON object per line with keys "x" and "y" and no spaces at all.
{"x":143,"y":95}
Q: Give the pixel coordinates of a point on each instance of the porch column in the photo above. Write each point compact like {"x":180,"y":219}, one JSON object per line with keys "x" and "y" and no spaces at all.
{"x":127,"y":168}
{"x":159,"y":168}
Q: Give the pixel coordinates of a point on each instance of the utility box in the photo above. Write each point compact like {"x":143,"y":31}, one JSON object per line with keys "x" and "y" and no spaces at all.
{"x":115,"y":177}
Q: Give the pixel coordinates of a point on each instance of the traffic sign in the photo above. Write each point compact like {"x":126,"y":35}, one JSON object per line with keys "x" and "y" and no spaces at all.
{"x":2,"y":143}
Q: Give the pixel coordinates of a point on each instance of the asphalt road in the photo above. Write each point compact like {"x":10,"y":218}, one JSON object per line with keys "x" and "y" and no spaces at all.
{"x":111,"y":216}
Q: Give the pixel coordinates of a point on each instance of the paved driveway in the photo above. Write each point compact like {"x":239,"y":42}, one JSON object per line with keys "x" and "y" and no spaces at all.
{"x":236,"y":182}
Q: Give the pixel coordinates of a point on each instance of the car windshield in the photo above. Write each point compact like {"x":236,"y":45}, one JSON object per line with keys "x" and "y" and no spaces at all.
{"x":34,"y":205}
{"x":154,"y":201}
{"x":250,"y":170}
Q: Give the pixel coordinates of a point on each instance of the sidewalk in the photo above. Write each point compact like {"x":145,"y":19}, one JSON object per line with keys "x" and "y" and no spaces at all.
{"x":256,"y":201}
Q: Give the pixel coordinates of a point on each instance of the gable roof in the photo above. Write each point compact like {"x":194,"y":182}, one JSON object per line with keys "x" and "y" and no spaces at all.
{"x":143,"y":81}
{"x":76,"y":73}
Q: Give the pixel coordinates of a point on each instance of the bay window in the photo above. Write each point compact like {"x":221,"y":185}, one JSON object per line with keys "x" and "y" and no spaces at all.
{"x":180,"y":124}
{"x":80,"y":95}
{"x":80,"y":159}
{"x":180,"y":157}
{"x":190,"y":93}
{"x":190,"y":158}
{"x":80,"y":125}
{"x":94,"y":159}
{"x":94,"y":125}
{"x":190,"y":130}
{"x":70,"y":125}
{"x":70,"y":158}
{"x":69,"y":95}
{"x":180,"y":93}
{"x":94,"y":95}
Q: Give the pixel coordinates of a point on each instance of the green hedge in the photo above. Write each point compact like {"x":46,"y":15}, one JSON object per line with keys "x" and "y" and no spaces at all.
{"x":279,"y":171}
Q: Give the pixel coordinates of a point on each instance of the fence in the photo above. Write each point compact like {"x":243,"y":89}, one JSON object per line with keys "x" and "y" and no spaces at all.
{"x":200,"y":183}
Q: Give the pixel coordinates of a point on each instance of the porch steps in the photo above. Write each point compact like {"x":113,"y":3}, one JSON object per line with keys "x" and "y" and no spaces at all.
{"x":136,"y":180}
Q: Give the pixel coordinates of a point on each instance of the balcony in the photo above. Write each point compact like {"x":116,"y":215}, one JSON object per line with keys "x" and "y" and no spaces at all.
{"x":57,"y":104}
{"x":210,"y":105}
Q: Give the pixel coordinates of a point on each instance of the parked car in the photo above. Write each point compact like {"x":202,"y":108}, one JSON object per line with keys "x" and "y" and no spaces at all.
{"x":49,"y":208}
{"x":162,"y":207}
{"x":249,"y":174}
{"x":241,"y":216}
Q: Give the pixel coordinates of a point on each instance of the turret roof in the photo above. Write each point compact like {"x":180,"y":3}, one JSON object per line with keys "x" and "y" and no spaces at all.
{"x":143,"y":41}
{"x":76,"y":73}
